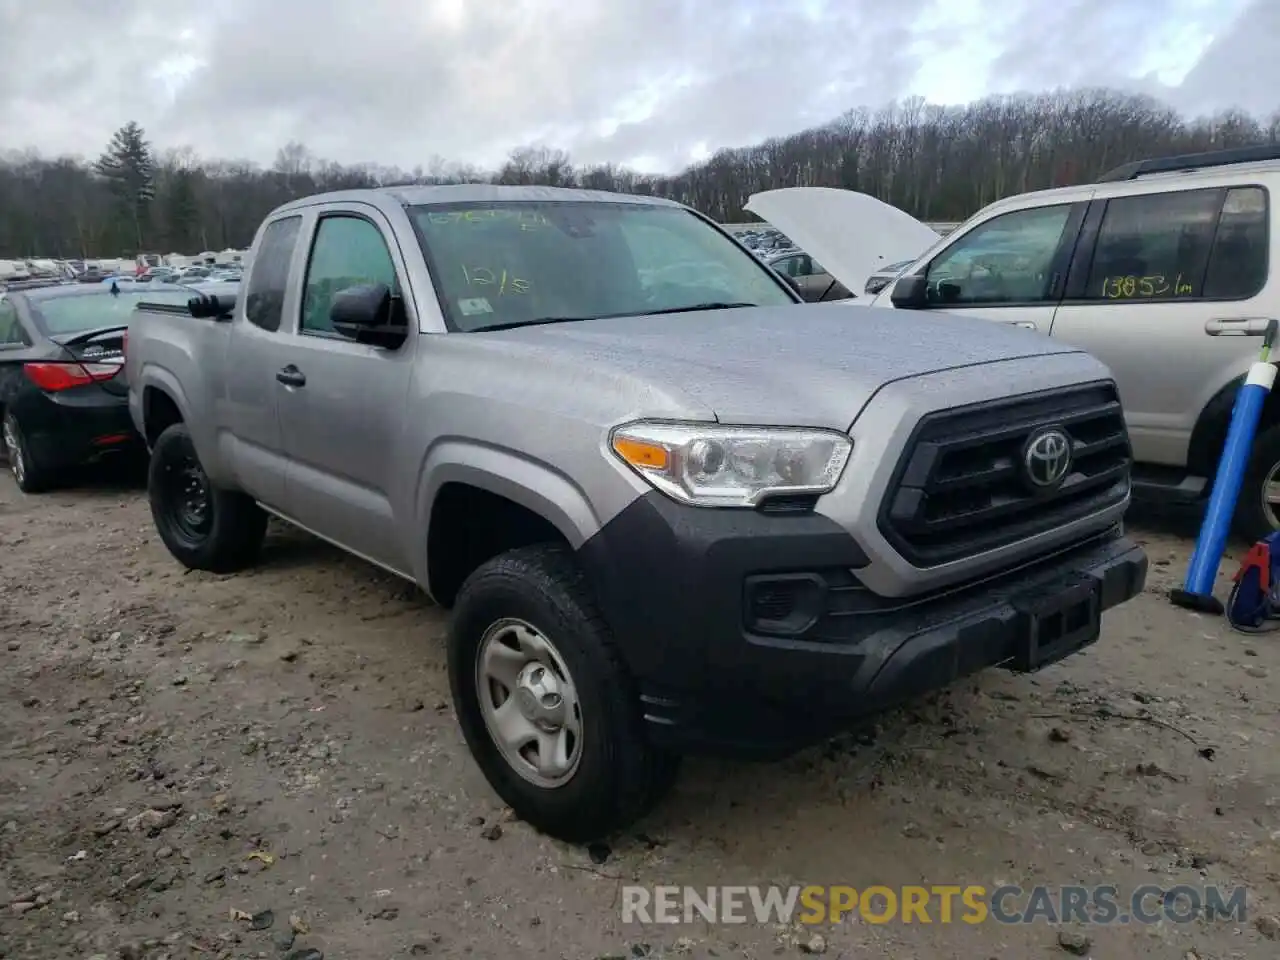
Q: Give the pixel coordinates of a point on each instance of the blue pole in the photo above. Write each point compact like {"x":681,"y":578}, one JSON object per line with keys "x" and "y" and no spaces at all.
{"x":1202,"y":571}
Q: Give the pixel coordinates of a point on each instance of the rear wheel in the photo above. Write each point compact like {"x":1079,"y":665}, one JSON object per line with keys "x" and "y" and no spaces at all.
{"x":546,"y":705}
{"x":28,"y":474}
{"x":1258,"y":509}
{"x":204,"y":527}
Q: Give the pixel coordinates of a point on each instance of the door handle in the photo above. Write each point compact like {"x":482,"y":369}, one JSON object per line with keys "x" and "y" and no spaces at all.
{"x":291,"y":376}
{"x":1237,"y":326}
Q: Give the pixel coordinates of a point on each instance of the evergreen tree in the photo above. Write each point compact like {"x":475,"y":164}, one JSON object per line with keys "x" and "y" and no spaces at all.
{"x":129,"y":170}
{"x":180,"y":212}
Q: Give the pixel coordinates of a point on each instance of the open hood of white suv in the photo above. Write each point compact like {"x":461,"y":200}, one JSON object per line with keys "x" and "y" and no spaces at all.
{"x":851,"y":234}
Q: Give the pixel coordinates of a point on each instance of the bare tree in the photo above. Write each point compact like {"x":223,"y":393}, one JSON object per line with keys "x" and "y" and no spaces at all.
{"x":938,"y":163}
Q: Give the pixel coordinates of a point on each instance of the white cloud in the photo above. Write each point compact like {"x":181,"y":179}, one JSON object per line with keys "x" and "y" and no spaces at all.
{"x":660,"y":81}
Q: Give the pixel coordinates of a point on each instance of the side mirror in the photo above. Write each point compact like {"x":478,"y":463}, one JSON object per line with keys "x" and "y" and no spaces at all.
{"x":911,"y":292}
{"x":369,"y":313}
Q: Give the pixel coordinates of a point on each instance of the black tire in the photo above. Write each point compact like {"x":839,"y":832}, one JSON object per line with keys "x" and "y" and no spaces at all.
{"x":620,"y":775}
{"x":226,"y":535}
{"x":28,"y":474}
{"x":1252,"y":520}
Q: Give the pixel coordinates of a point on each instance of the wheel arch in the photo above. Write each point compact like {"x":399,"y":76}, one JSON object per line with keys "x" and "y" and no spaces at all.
{"x":159,"y":412}
{"x":478,"y":501}
{"x":1210,"y":430}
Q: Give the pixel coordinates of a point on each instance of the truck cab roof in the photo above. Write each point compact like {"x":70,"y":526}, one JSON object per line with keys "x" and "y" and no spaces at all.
{"x":415,"y":195}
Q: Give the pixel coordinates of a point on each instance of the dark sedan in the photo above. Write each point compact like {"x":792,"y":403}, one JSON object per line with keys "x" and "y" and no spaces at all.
{"x":63,"y":397}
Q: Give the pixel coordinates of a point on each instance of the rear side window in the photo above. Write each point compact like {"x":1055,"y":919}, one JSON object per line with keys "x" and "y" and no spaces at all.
{"x":264,"y":299}
{"x":1241,"y":249}
{"x":1187,"y":245}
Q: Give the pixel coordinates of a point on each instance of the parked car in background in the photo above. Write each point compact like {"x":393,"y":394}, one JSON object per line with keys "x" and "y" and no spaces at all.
{"x":1138,"y":269}
{"x":14,"y":270}
{"x":671,"y":509}
{"x":885,"y":276}
{"x":811,"y":280}
{"x":146,"y":261}
{"x":854,"y":235}
{"x":63,"y":398}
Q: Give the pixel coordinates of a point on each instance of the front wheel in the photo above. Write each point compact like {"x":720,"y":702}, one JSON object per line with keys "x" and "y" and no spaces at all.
{"x":205,"y":528}
{"x":547,"y":708}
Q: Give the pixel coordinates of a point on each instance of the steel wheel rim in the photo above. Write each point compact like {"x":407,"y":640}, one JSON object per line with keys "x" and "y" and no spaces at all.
{"x":187,"y":500}
{"x":1271,"y":497}
{"x":13,"y":450}
{"x":529,"y":703}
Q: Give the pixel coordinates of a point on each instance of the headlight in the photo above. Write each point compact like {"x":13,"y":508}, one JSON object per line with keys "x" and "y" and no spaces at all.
{"x":713,"y":466}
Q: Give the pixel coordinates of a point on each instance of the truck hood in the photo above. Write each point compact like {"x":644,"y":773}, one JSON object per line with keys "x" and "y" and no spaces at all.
{"x":851,"y":234}
{"x":804,"y":365}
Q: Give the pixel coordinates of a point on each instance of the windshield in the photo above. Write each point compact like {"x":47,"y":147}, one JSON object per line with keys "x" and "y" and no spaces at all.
{"x":76,"y":314}
{"x":512,"y":263}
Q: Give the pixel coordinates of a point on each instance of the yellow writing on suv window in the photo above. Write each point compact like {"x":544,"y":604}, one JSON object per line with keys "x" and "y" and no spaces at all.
{"x":1137,"y":288}
{"x":507,"y":284}
{"x":526,"y":219}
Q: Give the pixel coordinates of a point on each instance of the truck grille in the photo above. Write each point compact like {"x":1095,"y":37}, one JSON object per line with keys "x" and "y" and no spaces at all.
{"x":964,"y":487}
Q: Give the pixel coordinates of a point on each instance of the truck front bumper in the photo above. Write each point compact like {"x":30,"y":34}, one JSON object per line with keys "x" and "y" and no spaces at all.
{"x":750,"y":635}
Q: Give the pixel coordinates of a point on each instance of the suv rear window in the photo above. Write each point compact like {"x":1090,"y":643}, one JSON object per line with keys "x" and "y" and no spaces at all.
{"x":1206,"y":244}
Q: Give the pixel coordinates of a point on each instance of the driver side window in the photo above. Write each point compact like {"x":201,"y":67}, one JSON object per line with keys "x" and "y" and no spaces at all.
{"x":348,"y":252}
{"x":1006,"y":260}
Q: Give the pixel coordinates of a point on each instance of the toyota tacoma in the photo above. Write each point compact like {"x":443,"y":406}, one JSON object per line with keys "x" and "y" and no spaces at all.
{"x":673,"y":509}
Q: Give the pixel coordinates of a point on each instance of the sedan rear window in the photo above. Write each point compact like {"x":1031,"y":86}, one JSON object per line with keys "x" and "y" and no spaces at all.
{"x":77,"y":314}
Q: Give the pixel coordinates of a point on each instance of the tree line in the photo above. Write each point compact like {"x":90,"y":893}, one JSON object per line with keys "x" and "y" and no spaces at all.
{"x":938,"y":163}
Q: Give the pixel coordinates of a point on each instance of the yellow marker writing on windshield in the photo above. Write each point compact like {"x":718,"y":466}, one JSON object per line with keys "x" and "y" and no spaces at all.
{"x":485,"y":277}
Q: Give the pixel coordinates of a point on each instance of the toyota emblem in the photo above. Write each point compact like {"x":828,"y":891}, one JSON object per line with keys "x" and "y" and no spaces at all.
{"x":1047,"y":458}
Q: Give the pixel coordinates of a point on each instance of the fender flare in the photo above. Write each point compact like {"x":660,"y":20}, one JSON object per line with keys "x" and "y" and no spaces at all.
{"x":157,"y":378}
{"x":532,"y":484}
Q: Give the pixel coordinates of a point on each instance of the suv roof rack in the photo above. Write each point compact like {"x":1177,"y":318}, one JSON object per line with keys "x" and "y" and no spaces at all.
{"x":1192,"y":161}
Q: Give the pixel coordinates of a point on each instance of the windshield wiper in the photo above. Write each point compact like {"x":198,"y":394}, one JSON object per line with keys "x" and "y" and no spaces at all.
{"x":537,"y":322}
{"x":713,"y":305}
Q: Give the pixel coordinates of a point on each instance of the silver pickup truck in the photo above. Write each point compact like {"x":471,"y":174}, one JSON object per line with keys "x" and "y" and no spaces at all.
{"x":672,"y":509}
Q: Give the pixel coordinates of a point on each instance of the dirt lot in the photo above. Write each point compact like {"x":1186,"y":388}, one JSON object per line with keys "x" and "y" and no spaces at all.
{"x":177,"y":747}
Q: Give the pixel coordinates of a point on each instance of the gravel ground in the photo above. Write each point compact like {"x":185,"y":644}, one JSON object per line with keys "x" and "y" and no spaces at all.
{"x":266,"y":765}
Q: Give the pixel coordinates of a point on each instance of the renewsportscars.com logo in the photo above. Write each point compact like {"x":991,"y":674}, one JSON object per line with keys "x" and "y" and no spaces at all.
{"x":940,"y":903}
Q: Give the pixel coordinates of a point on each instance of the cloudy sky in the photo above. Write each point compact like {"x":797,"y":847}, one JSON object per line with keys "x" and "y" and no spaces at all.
{"x":650,"y":83}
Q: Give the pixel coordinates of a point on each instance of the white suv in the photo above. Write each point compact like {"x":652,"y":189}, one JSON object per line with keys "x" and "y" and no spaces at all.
{"x":1138,"y":269}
